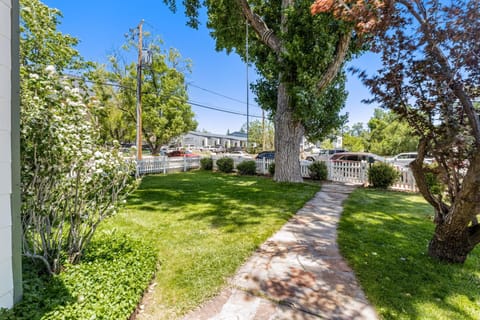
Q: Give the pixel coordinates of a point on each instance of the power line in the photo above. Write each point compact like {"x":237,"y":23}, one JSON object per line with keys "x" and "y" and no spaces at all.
{"x":193,"y":103}
{"x":221,"y":110}
{"x":220,"y":95}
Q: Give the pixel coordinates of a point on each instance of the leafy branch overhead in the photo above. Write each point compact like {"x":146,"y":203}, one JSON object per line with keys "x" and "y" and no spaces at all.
{"x":299,"y":57}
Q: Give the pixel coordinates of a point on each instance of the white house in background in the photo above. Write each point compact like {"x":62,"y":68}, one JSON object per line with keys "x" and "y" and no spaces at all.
{"x":10,"y":229}
{"x":197,"y":139}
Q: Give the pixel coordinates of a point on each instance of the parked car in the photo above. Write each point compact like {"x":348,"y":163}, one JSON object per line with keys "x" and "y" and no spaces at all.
{"x":324,"y":154}
{"x":404,"y":159}
{"x":269,"y":155}
{"x":356,"y":156}
{"x":181,"y":153}
{"x":239,"y":155}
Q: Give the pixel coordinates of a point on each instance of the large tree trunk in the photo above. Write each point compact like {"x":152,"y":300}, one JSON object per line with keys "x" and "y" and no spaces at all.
{"x":450,"y":244}
{"x":288,"y":136}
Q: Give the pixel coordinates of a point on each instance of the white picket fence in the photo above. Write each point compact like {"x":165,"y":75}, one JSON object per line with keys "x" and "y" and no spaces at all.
{"x":164,"y":164}
{"x":357,"y":173}
{"x":341,"y":171}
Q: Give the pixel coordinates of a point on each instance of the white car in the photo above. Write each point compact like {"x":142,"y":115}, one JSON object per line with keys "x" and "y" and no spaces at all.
{"x":404,"y":159}
{"x":239,"y":155}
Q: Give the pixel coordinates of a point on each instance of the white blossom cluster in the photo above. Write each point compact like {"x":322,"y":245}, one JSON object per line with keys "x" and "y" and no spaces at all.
{"x":69,"y":181}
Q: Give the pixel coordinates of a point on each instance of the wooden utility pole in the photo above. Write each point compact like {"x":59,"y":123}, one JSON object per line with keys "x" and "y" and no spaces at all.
{"x":263,"y":130}
{"x":139,"y":93}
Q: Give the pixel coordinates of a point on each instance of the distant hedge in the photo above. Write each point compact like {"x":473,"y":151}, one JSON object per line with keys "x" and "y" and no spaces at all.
{"x":225,"y":165}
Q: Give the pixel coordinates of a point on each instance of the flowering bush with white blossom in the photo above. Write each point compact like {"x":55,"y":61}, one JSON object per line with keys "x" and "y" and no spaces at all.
{"x":70,"y":183}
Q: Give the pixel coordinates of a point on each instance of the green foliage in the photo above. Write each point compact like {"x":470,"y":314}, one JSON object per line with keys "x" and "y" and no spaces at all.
{"x":41,"y":43}
{"x":309,"y":48}
{"x":225,"y":165}
{"x":166,"y":114}
{"x":205,"y":228}
{"x":247,"y":167}
{"x":271,"y":168}
{"x":318,"y":170}
{"x":108,"y":284}
{"x":206,"y":163}
{"x":382,"y":175}
{"x":69,"y":181}
{"x":299,"y":53}
{"x":432,"y":178}
{"x":259,"y":131}
{"x":384,"y":237}
{"x":353,"y":143}
{"x":389,"y":135}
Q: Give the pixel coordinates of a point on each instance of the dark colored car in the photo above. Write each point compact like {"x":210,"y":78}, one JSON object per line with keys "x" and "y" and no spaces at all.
{"x":269,"y":155}
{"x":181,"y":153}
{"x":356,"y":156}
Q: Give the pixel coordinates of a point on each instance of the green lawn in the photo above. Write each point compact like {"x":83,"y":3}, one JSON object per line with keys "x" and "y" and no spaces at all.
{"x":204,"y":225}
{"x":384,"y":236}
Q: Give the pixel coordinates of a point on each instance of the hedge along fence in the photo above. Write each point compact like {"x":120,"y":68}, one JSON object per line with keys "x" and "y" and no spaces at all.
{"x":341,"y":171}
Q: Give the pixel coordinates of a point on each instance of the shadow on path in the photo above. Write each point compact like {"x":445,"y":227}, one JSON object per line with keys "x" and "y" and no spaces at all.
{"x":296,"y":274}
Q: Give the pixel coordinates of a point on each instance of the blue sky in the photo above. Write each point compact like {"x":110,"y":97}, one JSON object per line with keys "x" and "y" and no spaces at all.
{"x":100,"y":26}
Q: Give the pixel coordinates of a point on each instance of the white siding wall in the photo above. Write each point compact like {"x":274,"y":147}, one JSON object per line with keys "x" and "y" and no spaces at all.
{"x":6,"y":269}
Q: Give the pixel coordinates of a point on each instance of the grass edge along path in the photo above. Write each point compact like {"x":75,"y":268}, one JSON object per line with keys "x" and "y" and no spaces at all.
{"x":384,"y":236}
{"x":204,"y":225}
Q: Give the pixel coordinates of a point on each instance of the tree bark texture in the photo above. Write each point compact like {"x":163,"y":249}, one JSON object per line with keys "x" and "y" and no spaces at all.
{"x":455,"y":235}
{"x":288,"y":136}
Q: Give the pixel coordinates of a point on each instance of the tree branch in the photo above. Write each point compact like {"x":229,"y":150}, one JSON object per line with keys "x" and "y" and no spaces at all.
{"x":337,"y":62}
{"x":264,"y":32}
{"x":416,"y":166}
{"x":447,"y":72}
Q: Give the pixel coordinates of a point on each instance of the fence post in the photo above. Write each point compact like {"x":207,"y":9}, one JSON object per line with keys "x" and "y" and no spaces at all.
{"x":184,"y":163}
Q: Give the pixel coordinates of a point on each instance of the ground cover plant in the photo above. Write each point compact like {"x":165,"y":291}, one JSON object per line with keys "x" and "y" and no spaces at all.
{"x":204,"y":226}
{"x":107,"y":284}
{"x":384,"y":236}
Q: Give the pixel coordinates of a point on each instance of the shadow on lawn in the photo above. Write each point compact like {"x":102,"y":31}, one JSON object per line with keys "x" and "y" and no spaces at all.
{"x":225,"y":201}
{"x":42,"y":294}
{"x":385,"y":236}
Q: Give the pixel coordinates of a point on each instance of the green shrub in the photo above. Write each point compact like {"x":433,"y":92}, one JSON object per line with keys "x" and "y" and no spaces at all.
{"x":107,"y":284}
{"x":382,"y":175}
{"x":318,"y":170}
{"x":206,"y":163}
{"x":225,"y":165}
{"x":248,"y":167}
{"x":433,"y":180}
{"x":271,"y":168}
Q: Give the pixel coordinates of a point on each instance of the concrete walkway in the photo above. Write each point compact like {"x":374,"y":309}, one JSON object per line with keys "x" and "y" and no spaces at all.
{"x":296,"y":274}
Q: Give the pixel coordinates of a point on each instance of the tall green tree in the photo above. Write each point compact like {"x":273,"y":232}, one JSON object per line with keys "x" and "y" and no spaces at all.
{"x":298,"y":56}
{"x":166,"y":113}
{"x":389,"y":134}
{"x":261,"y":133}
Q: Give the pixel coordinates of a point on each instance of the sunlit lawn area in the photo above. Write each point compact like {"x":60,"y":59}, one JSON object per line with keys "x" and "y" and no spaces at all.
{"x":384,"y":236}
{"x":204,"y":225}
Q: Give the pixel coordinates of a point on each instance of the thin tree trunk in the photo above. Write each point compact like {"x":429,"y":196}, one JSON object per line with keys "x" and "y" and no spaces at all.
{"x":455,"y":236}
{"x":288,"y":136}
